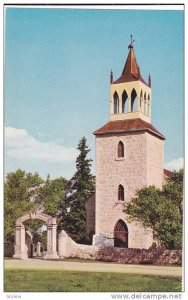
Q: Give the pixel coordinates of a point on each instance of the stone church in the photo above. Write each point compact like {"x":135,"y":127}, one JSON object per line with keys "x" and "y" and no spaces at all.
{"x":129,"y":156}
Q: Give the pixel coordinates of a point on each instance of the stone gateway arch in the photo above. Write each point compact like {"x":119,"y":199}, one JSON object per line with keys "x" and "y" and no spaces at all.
{"x":20,"y":245}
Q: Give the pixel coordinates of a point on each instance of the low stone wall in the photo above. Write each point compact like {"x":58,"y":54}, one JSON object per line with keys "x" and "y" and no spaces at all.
{"x":158,"y":256}
{"x":67,"y":248}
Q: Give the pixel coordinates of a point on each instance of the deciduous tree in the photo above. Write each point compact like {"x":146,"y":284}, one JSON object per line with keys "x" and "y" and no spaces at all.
{"x":51,"y":195}
{"x":161,"y":210}
{"x":17,"y":199}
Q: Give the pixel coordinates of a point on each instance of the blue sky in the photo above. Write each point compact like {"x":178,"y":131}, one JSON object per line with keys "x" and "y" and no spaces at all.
{"x":57,"y":68}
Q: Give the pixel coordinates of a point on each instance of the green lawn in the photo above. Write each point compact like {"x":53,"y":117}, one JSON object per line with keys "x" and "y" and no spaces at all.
{"x":67,"y":281}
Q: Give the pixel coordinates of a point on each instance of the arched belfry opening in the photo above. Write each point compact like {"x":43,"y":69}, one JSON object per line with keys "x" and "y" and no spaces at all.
{"x":148,"y":105}
{"x":141,"y":100}
{"x":145,"y":105}
{"x":121,"y":234}
{"x":125,"y":104}
{"x":134,"y":101}
{"x":116,"y":103}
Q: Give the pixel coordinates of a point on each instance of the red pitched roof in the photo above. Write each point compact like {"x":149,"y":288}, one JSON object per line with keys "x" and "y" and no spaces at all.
{"x":167,"y":173}
{"x":127,"y":126}
{"x":131,"y":71}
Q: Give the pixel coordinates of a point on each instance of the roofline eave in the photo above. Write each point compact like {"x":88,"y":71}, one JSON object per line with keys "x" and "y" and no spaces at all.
{"x":130,"y":130}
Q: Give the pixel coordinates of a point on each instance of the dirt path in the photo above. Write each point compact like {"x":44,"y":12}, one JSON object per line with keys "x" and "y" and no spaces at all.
{"x":39,"y":264}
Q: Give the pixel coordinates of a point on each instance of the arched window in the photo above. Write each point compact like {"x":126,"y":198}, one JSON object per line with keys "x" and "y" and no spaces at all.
{"x":121,"y":193}
{"x":124,"y":102}
{"x":120,"y":149}
{"x":116,"y":103}
{"x":134,"y":101}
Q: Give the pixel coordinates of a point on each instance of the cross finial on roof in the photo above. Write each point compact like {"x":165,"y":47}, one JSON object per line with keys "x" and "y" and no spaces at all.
{"x":132,"y":41}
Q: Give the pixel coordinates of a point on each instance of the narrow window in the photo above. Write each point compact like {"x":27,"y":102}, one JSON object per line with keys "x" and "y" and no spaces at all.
{"x":120,"y":149}
{"x":121,"y":193}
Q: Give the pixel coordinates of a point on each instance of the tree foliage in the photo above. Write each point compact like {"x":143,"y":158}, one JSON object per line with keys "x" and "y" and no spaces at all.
{"x":37,"y":228}
{"x":51,"y":196}
{"x":17,"y":199}
{"x":33,"y":180}
{"x":161,"y":210}
{"x":80,"y":187}
{"x":26,"y":192}
{"x":173,"y":190}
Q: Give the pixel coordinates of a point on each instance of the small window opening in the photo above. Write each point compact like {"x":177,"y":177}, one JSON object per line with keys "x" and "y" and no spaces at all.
{"x":121,"y":193}
{"x":120,"y":149}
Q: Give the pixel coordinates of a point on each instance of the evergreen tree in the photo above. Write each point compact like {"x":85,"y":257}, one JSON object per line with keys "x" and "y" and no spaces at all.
{"x":80,"y":187}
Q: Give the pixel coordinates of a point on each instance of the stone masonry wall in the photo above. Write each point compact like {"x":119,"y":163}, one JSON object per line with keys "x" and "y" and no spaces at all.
{"x":67,"y":248}
{"x":90,"y":216}
{"x":155,"y":160}
{"x":111,"y":171}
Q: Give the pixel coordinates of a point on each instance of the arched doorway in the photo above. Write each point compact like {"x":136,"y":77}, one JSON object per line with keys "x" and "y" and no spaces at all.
{"x":121,"y":234}
{"x":21,"y":250}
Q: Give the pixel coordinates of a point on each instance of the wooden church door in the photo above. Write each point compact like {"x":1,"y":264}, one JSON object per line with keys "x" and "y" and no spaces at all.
{"x":121,"y":235}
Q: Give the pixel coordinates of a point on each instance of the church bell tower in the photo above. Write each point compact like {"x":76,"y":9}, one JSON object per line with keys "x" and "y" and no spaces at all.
{"x":130,"y":95}
{"x":129,"y":156}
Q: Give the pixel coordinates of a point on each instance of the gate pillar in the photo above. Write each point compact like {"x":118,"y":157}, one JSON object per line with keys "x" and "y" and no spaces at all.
{"x":20,"y":245}
{"x":51,"y":240}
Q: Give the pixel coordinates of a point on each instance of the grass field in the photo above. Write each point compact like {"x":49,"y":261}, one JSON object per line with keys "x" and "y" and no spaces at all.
{"x":70,"y":281}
